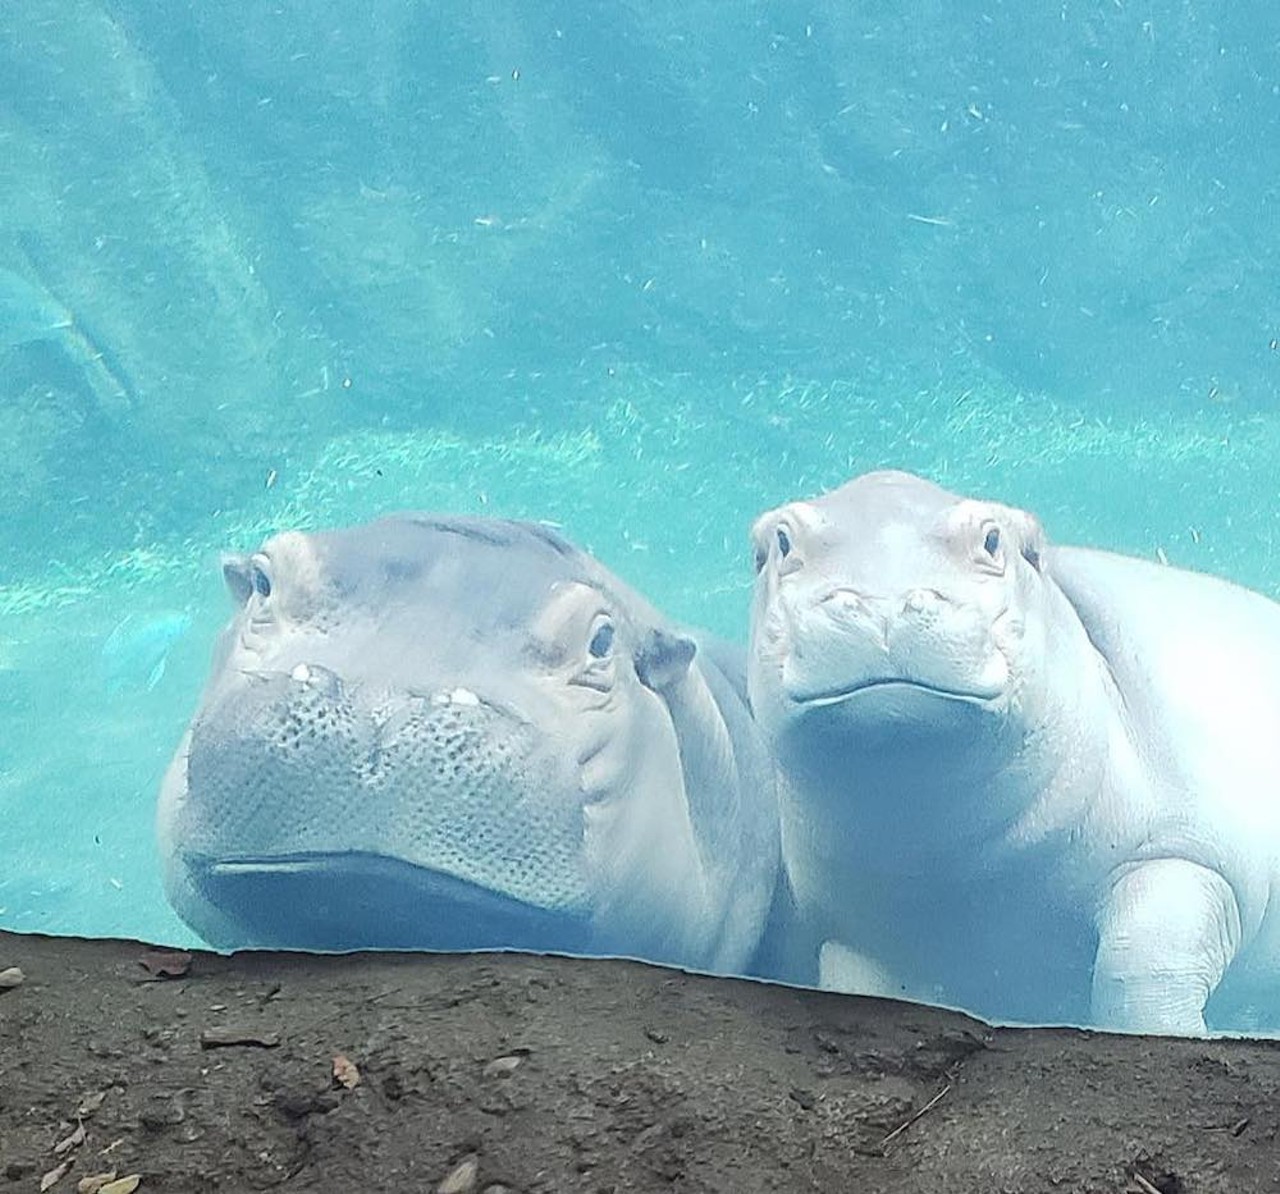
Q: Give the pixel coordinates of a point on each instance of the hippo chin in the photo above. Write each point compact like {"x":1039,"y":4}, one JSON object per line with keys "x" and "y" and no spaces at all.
{"x":1041,"y":783}
{"x":464,"y":733}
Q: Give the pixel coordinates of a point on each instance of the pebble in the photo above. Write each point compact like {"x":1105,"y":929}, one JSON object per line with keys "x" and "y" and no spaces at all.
{"x":462,"y":1179}
{"x":13,"y":977}
{"x":502,"y":1067}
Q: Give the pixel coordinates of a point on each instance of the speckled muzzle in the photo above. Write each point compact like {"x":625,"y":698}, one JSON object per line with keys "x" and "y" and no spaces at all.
{"x":322,"y":814}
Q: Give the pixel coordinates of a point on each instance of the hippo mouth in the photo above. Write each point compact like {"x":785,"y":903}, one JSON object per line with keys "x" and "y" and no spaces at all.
{"x":819,"y":698}
{"x":342,"y":902}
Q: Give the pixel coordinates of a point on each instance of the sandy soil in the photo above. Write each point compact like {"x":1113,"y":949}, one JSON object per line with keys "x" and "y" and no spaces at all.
{"x":512,"y":1073}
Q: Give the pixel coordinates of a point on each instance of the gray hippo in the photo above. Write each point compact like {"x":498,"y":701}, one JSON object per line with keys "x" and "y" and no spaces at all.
{"x":1041,"y":783}
{"x":455,"y":733}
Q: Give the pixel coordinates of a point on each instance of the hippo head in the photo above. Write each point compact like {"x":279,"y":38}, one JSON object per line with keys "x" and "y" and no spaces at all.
{"x":897,"y":624}
{"x":438,"y":733}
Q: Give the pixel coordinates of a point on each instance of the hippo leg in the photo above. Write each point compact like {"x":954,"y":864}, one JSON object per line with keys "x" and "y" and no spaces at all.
{"x":1166,"y":935}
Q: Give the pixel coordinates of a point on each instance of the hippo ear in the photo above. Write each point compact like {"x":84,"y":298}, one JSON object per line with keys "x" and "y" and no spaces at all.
{"x":1031,"y":537}
{"x":664,"y":658}
{"x":237,"y":572}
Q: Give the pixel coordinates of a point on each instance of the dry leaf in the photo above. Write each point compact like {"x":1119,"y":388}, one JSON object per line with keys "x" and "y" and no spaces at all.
{"x":126,"y":1185}
{"x":94,"y":1182}
{"x":67,"y":1142}
{"x":90,"y":1103}
{"x":345,"y":1072}
{"x":166,"y":963}
{"x":12,"y":977}
{"x":53,"y":1177}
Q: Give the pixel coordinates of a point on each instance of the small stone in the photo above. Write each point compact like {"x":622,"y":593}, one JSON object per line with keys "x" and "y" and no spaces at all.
{"x":463,"y":1178}
{"x":95,"y":1181}
{"x":161,"y":1112}
{"x":123,"y":1185}
{"x":54,"y":1176}
{"x":90,"y":1103}
{"x":804,"y":1098}
{"x":12,"y":977}
{"x":74,"y":1140}
{"x":227,"y":1036}
{"x":502,"y":1067}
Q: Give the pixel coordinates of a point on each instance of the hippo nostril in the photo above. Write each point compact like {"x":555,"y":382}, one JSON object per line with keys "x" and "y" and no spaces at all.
{"x":846,"y":597}
{"x":919,"y":601}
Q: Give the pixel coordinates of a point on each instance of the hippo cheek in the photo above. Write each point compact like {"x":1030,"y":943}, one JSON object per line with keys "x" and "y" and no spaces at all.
{"x":644,"y":867}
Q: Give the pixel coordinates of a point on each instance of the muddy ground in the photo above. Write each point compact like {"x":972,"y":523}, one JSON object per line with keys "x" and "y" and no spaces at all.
{"x":512,"y":1073}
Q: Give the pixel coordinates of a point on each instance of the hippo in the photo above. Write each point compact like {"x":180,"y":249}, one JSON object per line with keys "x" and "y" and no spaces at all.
{"x":442,"y":732}
{"x":1040,"y":783}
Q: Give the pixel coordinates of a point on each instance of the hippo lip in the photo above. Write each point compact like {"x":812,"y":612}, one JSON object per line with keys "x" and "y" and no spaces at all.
{"x":835,"y":696}
{"x":343,"y":901}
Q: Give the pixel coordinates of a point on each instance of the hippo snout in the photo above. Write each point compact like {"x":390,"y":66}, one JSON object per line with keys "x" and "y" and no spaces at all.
{"x":287,"y":766}
{"x":851,"y":641}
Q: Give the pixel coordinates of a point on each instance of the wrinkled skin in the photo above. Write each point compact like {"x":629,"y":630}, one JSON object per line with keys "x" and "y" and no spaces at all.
{"x":1040,"y":783}
{"x":459,"y":733}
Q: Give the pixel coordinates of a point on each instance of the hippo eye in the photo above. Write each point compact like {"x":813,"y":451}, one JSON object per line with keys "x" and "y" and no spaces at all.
{"x":991,"y":544}
{"x":261,"y":582}
{"x":601,"y":642}
{"x":784,"y":542}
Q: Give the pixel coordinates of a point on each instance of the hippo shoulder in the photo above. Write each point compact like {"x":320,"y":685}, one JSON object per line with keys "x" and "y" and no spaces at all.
{"x":1127,"y":604}
{"x":1187,"y":653}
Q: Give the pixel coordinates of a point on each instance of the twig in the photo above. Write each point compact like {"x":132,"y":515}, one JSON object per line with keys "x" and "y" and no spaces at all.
{"x":1147,"y":1187}
{"x":929,"y":1106}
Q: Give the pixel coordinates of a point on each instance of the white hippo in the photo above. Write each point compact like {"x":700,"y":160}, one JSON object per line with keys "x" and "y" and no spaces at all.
{"x":1041,"y":783}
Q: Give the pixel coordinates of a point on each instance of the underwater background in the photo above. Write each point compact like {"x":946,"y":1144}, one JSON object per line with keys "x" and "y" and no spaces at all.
{"x":641,"y":269}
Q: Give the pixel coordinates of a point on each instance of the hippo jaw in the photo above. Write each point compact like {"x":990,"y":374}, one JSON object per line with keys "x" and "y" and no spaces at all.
{"x":346,"y":900}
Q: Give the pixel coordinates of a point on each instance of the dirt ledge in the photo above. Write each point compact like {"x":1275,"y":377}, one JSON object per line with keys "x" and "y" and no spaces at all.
{"x":513,"y":1073}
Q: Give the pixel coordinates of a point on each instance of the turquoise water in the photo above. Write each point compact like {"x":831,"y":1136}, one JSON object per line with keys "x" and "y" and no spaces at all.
{"x":641,"y":272}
